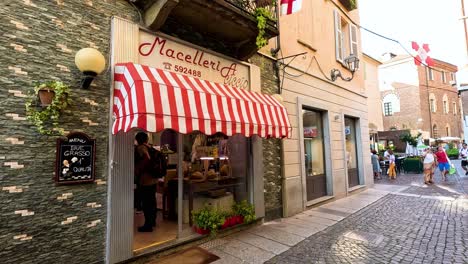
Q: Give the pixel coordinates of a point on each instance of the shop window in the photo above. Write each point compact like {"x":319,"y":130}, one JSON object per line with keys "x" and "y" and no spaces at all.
{"x":314,"y":155}
{"x":215,"y":171}
{"x":351,"y":151}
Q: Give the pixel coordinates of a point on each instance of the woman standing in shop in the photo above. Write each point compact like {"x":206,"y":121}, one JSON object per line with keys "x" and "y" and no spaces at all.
{"x":147,"y":181}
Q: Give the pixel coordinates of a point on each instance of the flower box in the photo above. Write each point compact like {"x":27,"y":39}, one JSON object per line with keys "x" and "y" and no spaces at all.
{"x":201,"y":231}
{"x":232,"y":221}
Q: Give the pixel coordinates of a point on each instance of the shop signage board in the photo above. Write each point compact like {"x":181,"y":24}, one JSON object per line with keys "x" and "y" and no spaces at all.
{"x":75,"y":159}
{"x":310,"y":132}
{"x":163,"y":52}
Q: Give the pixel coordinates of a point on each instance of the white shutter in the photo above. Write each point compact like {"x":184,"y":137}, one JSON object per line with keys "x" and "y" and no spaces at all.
{"x":353,"y":40}
{"x":338,"y":36}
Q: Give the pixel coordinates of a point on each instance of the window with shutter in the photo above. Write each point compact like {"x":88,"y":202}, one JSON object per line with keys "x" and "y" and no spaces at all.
{"x":338,"y":37}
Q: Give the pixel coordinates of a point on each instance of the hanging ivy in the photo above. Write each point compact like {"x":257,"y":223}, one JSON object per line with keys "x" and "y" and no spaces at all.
{"x":262,"y":15}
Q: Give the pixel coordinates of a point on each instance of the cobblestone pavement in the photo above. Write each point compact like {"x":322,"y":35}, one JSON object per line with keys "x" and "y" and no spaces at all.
{"x":455,"y":186}
{"x":421,"y":224}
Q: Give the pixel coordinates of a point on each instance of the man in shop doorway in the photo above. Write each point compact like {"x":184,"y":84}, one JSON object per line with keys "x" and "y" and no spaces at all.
{"x":147,"y":181}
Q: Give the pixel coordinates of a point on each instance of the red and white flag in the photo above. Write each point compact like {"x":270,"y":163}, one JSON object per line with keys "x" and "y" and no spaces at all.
{"x":290,"y":6}
{"x":422,"y":56}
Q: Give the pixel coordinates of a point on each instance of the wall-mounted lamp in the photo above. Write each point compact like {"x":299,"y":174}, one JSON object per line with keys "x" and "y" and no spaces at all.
{"x":91,"y":63}
{"x":352,"y":63}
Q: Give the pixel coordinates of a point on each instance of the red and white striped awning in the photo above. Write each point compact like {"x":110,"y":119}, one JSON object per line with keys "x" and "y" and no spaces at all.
{"x":153,"y":100}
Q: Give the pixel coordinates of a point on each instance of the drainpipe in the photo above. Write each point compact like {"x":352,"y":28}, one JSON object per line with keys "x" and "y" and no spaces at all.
{"x":275,"y":51}
{"x":430,"y":110}
{"x":464,"y":23}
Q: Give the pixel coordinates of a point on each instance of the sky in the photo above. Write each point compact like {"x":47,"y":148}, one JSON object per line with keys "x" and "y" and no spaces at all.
{"x":435,"y":22}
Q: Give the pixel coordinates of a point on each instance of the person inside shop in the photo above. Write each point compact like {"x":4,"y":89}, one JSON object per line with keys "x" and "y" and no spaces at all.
{"x":136,"y":181}
{"x":149,"y":166}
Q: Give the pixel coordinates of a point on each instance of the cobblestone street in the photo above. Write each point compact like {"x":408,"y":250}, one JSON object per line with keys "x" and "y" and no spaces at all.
{"x":419,"y":224}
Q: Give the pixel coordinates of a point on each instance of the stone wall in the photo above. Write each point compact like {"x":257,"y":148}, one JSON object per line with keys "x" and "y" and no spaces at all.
{"x":271,"y":147}
{"x":42,"y":222}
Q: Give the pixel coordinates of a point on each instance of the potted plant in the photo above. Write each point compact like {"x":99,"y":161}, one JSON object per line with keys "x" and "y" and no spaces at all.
{"x":46,"y":116}
{"x":243,"y":212}
{"x":232,"y":219}
{"x":263,"y":3}
{"x":349,"y":4}
{"x":207,"y":220}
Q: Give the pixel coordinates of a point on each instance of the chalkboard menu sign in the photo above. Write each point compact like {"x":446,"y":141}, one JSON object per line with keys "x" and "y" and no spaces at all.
{"x":75,"y":159}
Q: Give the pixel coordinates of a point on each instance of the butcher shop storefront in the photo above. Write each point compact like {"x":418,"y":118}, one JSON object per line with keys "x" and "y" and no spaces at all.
{"x":205,"y":113}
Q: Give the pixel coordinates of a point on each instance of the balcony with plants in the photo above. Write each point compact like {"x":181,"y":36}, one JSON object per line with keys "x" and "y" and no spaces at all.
{"x":237,"y":28}
{"x":349,"y":4}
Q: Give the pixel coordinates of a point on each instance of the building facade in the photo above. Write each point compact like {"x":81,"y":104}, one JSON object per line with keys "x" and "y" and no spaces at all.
{"x":149,"y":46}
{"x":419,"y":98}
{"x":370,"y":69}
{"x":327,"y":155}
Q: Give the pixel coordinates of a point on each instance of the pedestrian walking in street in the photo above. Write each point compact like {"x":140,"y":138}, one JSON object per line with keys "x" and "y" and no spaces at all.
{"x":375,"y":164}
{"x":429,"y":164}
{"x":464,"y":157}
{"x":391,"y":165}
{"x":442,"y":161}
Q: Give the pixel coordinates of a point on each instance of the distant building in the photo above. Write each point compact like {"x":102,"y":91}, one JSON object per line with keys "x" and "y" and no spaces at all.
{"x":420,"y":99}
{"x":371,"y":84}
{"x":463,"y":91}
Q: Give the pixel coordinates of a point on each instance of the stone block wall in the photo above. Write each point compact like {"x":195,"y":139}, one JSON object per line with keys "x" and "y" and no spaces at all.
{"x":271,"y":147}
{"x":39,"y":221}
